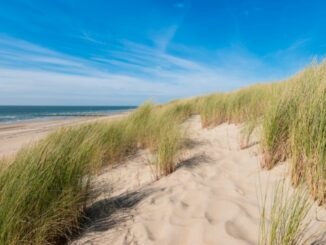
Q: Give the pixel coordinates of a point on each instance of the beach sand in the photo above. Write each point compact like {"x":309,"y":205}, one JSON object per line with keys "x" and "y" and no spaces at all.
{"x":15,"y":135}
{"x":214,"y":196}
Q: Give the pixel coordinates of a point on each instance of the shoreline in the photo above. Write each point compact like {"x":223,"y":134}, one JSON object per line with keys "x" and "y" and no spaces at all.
{"x":15,"y":135}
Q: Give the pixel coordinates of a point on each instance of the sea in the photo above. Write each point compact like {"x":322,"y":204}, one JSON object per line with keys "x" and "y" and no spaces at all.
{"x":10,"y":114}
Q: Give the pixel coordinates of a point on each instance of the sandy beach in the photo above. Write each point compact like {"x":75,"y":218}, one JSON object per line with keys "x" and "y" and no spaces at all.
{"x":15,"y":135}
{"x":214,"y":196}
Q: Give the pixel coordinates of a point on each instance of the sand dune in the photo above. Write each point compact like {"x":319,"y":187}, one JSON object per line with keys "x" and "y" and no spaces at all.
{"x":212,"y":198}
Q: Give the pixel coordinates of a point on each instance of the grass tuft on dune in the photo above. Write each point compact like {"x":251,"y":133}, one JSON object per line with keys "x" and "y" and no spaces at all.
{"x":286,"y":221}
{"x":44,"y":190}
{"x":291,"y":115}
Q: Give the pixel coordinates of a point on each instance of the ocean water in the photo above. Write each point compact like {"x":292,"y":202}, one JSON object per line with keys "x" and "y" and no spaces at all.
{"x":9,"y":114}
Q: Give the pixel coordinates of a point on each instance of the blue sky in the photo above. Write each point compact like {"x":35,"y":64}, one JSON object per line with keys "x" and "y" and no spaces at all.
{"x":105,"y":52}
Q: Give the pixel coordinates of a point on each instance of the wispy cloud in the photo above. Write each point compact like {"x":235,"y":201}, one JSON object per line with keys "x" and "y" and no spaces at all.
{"x":89,"y":38}
{"x":127,"y":73}
{"x":162,"y":38}
{"x":20,"y":54}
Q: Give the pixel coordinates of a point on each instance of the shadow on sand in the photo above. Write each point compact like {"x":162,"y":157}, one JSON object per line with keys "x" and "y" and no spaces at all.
{"x":107,"y":213}
{"x":111,"y":212}
{"x":191,"y":143}
{"x":194,"y":161}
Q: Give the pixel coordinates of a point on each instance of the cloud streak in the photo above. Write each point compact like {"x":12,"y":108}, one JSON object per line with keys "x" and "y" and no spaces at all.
{"x":129,"y":73}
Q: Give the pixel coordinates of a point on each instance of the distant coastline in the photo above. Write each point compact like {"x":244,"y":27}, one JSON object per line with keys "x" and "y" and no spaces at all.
{"x":15,"y":134}
{"x":12,"y":113}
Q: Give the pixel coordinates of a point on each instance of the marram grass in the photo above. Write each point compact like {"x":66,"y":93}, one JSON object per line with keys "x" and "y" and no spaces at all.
{"x":44,"y":189}
{"x":285,"y":220}
{"x":292,"y":118}
{"x":295,"y":128}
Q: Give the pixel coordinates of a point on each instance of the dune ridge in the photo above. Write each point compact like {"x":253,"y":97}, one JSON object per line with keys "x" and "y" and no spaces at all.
{"x":213,"y":197}
{"x":288,"y":115}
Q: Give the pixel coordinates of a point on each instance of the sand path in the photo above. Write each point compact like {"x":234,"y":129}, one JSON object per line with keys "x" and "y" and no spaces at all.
{"x":212,"y":198}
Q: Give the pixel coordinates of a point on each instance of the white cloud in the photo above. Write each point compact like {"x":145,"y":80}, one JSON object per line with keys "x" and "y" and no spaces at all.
{"x":162,"y":38}
{"x":128,"y":73}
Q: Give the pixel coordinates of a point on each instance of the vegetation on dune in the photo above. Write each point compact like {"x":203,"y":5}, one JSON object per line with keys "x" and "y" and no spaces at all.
{"x":170,"y":135}
{"x":286,"y":221}
{"x":294,"y":128}
{"x":44,"y":190}
{"x":292,"y":118}
{"x":246,"y":106}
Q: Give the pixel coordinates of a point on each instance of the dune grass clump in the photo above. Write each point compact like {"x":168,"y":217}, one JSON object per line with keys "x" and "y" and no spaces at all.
{"x":281,"y":115}
{"x":170,"y":135}
{"x":294,"y":128}
{"x":248,"y":104}
{"x":308,"y":138}
{"x":169,"y":144}
{"x":113,"y":140}
{"x":291,"y":115}
{"x":43,"y":191}
{"x":139,"y":126}
{"x":285,"y":220}
{"x":213,"y":110}
{"x":45,"y":188}
{"x":179,"y":111}
{"x":276,"y":129}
